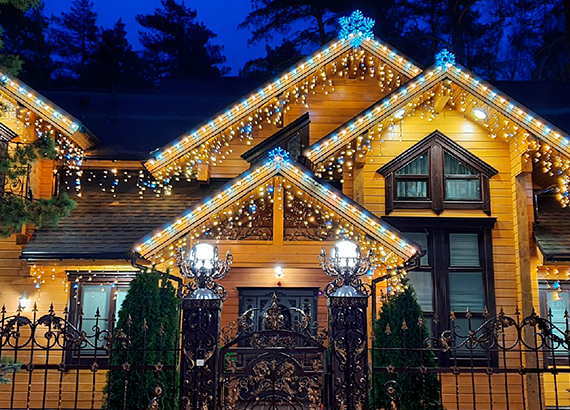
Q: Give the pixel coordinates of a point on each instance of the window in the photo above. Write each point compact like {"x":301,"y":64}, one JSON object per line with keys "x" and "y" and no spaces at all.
{"x":456,"y":273}
{"x":555,"y":301}
{"x":305,"y":299}
{"x":92,"y":291}
{"x":437,"y":174}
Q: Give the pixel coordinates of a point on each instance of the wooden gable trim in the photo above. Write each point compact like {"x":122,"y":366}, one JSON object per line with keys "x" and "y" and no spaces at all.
{"x":437,"y":144}
{"x":242,"y":108}
{"x":299,"y":126}
{"x":28,"y":97}
{"x":430,"y":78}
{"x":437,"y":137}
{"x":355,"y":214}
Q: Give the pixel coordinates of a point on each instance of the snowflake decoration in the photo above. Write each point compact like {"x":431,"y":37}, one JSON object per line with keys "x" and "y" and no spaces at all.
{"x":356,"y":27}
{"x":444,"y":58}
{"x":278,"y":154}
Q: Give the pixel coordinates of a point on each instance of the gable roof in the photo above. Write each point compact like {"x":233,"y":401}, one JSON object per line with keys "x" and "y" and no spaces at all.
{"x":46,"y":109}
{"x":241,"y":109}
{"x":278,"y":164}
{"x":398,"y":100}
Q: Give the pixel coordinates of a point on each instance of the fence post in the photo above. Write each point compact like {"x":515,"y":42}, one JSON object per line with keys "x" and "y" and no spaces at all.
{"x":200,"y":342}
{"x":348,"y":341}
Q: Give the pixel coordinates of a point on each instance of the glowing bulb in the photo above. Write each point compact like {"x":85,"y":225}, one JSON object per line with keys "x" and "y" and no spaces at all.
{"x":400,"y":114}
{"x":278,"y":271}
{"x":479,"y":114}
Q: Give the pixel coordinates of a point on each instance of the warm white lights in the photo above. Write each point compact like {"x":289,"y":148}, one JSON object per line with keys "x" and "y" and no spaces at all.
{"x":203,"y":254}
{"x":278,"y":271}
{"x":400,"y":114}
{"x":479,"y":114}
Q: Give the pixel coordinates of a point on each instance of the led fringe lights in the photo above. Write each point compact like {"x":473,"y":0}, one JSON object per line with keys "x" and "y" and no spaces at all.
{"x":503,"y":117}
{"x":25,"y":94}
{"x":251,"y":181}
{"x":265,"y":104}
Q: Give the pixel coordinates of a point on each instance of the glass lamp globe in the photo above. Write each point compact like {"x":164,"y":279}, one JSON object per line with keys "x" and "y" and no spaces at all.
{"x":346,"y":252}
{"x":203,"y":254}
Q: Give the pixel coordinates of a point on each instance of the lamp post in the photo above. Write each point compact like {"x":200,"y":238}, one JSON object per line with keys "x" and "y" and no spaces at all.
{"x":347,"y":300}
{"x":203,"y":266}
{"x":202,"y":301}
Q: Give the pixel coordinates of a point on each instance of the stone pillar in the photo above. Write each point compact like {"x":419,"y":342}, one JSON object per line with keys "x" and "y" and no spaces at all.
{"x":200,"y":342}
{"x":348,"y":342}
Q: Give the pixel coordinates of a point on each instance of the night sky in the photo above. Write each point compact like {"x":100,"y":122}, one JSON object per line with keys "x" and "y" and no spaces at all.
{"x":220,"y":16}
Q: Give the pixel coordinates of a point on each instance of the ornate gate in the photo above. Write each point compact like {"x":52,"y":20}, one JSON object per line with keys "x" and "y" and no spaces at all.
{"x":273,"y":358}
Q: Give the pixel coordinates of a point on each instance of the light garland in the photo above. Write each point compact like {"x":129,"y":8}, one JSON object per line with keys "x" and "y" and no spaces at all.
{"x":503,"y":117}
{"x":24,"y":94}
{"x":243,"y":185}
{"x":239,"y":117}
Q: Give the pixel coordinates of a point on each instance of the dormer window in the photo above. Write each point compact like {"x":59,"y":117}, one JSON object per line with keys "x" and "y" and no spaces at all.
{"x":437,"y":174}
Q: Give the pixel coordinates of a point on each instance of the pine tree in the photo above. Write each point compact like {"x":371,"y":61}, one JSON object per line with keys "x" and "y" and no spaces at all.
{"x":114,"y":63}
{"x":74,"y":40}
{"x":177,"y":45}
{"x":151,"y":302}
{"x":12,"y":63}
{"x":276,"y":60}
{"x":398,"y":330}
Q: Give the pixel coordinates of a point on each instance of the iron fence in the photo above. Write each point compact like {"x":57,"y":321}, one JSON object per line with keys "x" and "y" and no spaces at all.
{"x":53,"y":361}
{"x":507,"y":362}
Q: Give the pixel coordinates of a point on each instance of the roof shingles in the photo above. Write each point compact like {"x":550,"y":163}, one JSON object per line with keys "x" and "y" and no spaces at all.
{"x":104,"y":227}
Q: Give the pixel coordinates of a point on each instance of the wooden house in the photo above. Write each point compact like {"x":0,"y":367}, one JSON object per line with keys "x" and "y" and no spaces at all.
{"x":364,"y":145}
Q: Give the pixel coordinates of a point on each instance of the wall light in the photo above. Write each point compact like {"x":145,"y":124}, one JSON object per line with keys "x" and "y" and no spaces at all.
{"x":400,"y":114}
{"x":278,"y":271}
{"x":480,"y":114}
{"x":25,"y":300}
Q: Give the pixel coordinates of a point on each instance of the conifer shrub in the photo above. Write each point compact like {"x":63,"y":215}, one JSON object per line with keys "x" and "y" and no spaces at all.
{"x":401,"y":334}
{"x":150,"y":302}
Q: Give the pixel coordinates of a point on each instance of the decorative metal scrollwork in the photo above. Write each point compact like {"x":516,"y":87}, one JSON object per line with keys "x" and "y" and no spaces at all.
{"x":346,"y":271}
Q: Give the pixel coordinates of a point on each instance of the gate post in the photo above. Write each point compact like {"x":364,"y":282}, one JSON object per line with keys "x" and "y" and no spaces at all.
{"x":201,"y":317}
{"x":348,"y":325}
{"x":200,"y":341}
{"x":348,"y":338}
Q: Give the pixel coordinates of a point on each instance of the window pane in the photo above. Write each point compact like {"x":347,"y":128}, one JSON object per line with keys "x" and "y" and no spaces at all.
{"x":454,"y":167}
{"x":120,"y":298}
{"x":465,"y":189}
{"x":423,"y":286}
{"x":464,"y":249}
{"x":412,"y":189}
{"x":466,"y":291}
{"x":419,"y":166}
{"x":558,"y":303}
{"x":421,"y":239}
{"x":95,"y":297}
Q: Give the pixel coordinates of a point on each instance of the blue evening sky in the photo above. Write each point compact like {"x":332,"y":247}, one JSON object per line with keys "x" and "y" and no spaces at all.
{"x":220,"y":16}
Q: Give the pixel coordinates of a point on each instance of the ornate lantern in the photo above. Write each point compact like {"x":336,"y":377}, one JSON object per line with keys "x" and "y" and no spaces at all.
{"x":202,"y":265}
{"x":346,"y":265}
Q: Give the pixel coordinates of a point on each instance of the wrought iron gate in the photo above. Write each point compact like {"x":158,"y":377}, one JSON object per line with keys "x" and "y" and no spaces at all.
{"x":273,"y":358}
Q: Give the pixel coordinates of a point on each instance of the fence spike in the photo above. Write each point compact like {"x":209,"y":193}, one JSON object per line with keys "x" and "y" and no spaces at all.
{"x":388,"y":330}
{"x":404,"y":325}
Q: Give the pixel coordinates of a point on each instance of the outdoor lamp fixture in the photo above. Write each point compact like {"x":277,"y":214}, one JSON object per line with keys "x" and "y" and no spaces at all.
{"x":346,"y":265}
{"x":202,"y":265}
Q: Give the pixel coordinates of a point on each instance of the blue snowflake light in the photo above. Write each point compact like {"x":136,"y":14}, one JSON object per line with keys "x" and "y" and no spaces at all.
{"x":356,"y":28}
{"x":278,"y":154}
{"x":444,"y":58}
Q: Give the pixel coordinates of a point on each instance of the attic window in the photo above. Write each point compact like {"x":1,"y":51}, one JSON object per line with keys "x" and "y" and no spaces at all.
{"x":437,"y":174}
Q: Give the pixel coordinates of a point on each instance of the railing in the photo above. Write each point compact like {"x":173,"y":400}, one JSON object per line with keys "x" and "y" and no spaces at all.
{"x":51,"y":362}
{"x":505,"y":363}
{"x":54,"y":361}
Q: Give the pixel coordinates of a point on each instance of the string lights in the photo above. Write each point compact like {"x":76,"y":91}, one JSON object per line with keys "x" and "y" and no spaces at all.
{"x":211,"y":141}
{"x":254,"y":190}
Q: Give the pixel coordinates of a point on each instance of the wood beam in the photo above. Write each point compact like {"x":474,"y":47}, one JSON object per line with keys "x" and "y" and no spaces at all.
{"x":278,"y":211}
{"x":204,"y":173}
